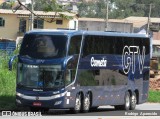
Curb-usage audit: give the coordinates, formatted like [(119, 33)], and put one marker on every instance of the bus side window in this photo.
[(75, 43), (67, 77)]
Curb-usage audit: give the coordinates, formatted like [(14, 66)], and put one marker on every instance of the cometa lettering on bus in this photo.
[(98, 63)]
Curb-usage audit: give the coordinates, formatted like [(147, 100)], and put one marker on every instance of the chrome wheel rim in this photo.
[(86, 103), (127, 101), (133, 100), (78, 103)]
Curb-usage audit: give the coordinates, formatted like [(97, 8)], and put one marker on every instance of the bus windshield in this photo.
[(40, 46), (40, 76)]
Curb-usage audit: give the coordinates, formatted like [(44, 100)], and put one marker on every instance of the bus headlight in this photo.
[(18, 94)]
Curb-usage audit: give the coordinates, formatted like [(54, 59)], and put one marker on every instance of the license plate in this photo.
[(37, 103)]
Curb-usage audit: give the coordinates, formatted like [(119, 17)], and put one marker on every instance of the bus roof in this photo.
[(76, 32)]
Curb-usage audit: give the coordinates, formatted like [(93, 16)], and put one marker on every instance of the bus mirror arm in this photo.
[(11, 61)]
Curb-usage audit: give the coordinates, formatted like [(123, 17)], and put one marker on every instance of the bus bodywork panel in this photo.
[(107, 75)]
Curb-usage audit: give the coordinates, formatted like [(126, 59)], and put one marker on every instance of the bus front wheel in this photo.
[(78, 104), (127, 101)]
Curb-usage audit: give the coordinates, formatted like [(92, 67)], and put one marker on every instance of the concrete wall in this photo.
[(100, 26), (91, 25), (120, 27), (9, 31), (156, 36)]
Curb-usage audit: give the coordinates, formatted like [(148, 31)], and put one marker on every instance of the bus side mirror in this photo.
[(11, 61)]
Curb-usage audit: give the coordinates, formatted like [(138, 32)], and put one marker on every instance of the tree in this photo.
[(119, 8), (95, 9), (46, 6), (7, 5)]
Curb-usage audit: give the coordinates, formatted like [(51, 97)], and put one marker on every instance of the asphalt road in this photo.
[(152, 109), (146, 109)]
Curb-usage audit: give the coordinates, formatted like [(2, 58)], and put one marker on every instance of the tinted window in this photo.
[(87, 78), (98, 45), (75, 44), (143, 42), (146, 43), (119, 45), (44, 46), (103, 77)]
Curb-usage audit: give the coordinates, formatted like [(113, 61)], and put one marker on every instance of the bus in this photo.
[(82, 70)]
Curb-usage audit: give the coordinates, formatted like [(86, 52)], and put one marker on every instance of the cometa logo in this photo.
[(98, 63)]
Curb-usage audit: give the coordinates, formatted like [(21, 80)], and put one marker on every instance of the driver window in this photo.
[(68, 78)]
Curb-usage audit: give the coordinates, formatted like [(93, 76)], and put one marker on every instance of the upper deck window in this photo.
[(44, 46)]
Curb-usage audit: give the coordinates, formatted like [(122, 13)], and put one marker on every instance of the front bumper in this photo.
[(54, 102)]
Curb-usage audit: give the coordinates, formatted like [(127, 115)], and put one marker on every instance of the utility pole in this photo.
[(32, 15), (149, 17), (106, 19)]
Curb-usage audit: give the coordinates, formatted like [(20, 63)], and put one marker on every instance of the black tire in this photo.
[(78, 104), (127, 101), (133, 101), (86, 103)]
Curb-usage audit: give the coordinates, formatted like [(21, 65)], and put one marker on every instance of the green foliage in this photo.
[(7, 83), (47, 5), (154, 96), (50, 5), (119, 8), (5, 5), (92, 9)]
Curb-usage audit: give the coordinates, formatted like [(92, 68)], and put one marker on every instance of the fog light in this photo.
[(58, 102)]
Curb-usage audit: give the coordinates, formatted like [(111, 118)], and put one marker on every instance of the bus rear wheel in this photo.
[(86, 103), (133, 101), (127, 103)]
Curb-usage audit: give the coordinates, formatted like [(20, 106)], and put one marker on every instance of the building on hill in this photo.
[(96, 24), (131, 24), (13, 25)]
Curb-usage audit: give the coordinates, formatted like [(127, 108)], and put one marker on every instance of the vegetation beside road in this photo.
[(154, 96), (7, 83)]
